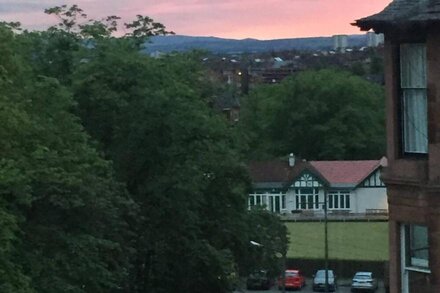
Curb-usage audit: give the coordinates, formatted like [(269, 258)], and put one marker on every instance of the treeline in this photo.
[(326, 114), (115, 174)]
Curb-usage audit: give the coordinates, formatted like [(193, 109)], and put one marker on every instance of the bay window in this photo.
[(413, 86), (415, 258)]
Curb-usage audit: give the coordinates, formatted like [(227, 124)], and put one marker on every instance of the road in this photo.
[(344, 287)]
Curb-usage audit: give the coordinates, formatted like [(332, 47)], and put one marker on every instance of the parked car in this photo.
[(259, 280), (363, 281), (294, 279), (319, 281)]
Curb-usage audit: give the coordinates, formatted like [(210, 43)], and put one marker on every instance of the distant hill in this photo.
[(231, 46)]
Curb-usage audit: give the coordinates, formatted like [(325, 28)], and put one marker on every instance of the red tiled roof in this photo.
[(346, 172), (274, 171), (269, 171), (334, 172)]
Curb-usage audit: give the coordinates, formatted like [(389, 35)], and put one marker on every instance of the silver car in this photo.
[(363, 282), (319, 281)]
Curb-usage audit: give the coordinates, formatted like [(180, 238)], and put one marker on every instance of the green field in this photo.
[(347, 240)]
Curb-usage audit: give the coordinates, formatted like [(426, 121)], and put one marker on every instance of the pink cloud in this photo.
[(264, 19)]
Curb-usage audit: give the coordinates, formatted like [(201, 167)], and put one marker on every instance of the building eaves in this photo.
[(342, 186), (402, 12), (268, 185)]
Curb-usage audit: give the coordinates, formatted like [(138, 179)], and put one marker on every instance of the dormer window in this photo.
[(414, 98)]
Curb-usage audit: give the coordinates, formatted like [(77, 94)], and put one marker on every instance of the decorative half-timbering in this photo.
[(373, 180), (307, 180)]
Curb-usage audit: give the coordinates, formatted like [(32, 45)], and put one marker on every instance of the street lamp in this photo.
[(326, 239), (324, 204)]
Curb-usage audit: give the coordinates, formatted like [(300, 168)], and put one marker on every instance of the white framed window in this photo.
[(307, 198), (274, 202), (414, 107), (339, 200), (415, 258)]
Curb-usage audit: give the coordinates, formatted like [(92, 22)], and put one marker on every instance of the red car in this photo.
[(294, 280)]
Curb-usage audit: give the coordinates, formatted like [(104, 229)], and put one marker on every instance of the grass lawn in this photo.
[(346, 240)]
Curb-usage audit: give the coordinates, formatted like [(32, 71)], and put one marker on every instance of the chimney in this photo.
[(291, 160)]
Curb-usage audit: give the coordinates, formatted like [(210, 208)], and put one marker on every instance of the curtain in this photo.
[(413, 84)]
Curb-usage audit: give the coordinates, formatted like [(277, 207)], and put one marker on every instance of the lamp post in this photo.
[(283, 279), (324, 204), (326, 240)]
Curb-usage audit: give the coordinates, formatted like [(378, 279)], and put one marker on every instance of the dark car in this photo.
[(259, 280), (363, 282), (294, 279), (319, 283)]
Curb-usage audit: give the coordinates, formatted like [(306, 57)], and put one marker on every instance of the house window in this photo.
[(274, 202), (338, 200), (417, 247), (307, 198), (414, 99), (415, 258)]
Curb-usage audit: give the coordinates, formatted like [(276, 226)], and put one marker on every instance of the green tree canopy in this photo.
[(321, 115), (116, 175)]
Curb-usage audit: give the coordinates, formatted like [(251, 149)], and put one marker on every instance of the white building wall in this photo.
[(369, 198), (361, 199)]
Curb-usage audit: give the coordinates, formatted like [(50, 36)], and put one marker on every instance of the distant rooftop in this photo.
[(334, 173)]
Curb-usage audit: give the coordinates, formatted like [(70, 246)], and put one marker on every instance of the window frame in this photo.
[(302, 200), (336, 197), (401, 104), (405, 259)]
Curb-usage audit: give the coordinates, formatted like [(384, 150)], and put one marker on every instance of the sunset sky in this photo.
[(261, 19)]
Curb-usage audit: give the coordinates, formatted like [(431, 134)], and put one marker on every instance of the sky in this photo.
[(237, 19)]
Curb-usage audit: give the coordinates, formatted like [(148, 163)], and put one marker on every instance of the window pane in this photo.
[(310, 202), (413, 65), (415, 121), (303, 202), (252, 200), (277, 203), (283, 201), (258, 199), (418, 282), (419, 245), (330, 201), (316, 201), (347, 201), (306, 190), (342, 201), (336, 201)]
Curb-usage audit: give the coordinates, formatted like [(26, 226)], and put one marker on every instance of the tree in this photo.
[(63, 214), (179, 162), (325, 114), (115, 169)]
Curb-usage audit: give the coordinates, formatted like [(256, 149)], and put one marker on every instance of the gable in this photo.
[(307, 179), (373, 180), (345, 173)]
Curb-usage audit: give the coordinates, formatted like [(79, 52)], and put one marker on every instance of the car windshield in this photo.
[(291, 274), (362, 276), (321, 274)]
